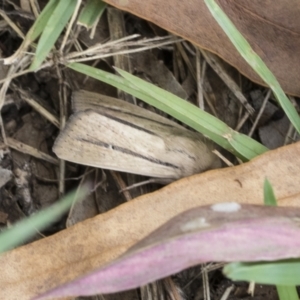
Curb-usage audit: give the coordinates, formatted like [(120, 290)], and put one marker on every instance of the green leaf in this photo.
[(28, 227), (42, 20), (246, 146), (52, 30), (178, 108), (287, 292), (284, 272), (269, 196), (91, 13), (254, 61)]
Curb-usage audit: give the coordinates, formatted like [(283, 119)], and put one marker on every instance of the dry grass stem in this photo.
[(71, 23), (187, 61), (26, 149), (121, 184), (35, 7), (108, 50), (242, 121), (216, 65), (227, 293), (40, 109), (199, 80), (12, 24), (206, 289), (263, 106), (223, 158)]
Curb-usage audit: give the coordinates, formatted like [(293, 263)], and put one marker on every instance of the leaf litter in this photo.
[(219, 100)]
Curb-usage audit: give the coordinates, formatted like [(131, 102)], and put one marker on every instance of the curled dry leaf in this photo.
[(33, 269), (235, 233), (272, 31)]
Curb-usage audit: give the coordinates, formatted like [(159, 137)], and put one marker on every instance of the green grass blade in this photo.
[(91, 13), (180, 109), (269, 196), (284, 292), (287, 292), (196, 118), (246, 146), (28, 227), (40, 23), (254, 61), (54, 27), (284, 272)]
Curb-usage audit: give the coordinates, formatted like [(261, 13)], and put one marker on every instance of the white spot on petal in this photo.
[(194, 224), (226, 207)]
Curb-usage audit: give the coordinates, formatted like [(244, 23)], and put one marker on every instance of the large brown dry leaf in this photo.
[(272, 30), (37, 267)]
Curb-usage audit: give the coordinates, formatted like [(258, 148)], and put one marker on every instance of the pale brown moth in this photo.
[(108, 133)]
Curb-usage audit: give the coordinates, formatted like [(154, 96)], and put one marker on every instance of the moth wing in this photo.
[(97, 140), (83, 100)]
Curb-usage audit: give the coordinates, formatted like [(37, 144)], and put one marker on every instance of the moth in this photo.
[(108, 133)]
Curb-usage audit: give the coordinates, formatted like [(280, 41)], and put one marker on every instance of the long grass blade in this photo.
[(28, 227), (287, 292), (285, 272), (52, 30), (254, 61), (269, 196), (91, 13)]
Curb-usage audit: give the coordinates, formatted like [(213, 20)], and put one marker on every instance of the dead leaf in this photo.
[(235, 233), (272, 31), (37, 267)]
